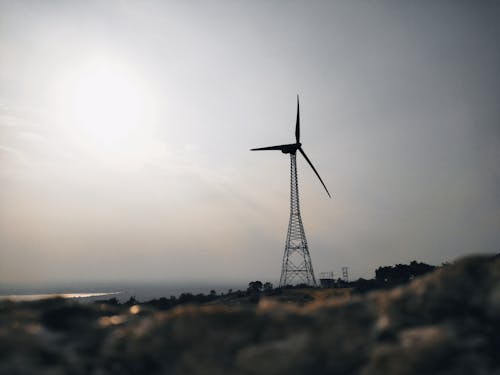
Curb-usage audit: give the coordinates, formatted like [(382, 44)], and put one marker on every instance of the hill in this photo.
[(446, 322)]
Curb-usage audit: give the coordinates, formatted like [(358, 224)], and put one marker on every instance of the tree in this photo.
[(363, 285), (131, 301), (268, 287), (401, 273), (254, 287)]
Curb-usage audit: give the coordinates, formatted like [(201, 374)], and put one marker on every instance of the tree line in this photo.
[(385, 277)]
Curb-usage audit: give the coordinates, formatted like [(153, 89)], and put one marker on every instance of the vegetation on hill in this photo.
[(445, 322), (385, 277)]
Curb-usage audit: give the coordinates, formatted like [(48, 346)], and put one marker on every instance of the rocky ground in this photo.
[(447, 322)]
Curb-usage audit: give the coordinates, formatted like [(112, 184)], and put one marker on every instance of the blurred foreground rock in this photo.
[(447, 322)]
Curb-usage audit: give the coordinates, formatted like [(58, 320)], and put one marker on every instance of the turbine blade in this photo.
[(314, 169), (279, 147), (297, 123)]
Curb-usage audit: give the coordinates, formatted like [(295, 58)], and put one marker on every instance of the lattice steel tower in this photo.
[(297, 266)]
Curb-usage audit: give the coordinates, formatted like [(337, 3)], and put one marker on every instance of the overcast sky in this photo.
[(125, 128)]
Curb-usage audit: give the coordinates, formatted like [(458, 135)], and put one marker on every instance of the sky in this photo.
[(125, 129)]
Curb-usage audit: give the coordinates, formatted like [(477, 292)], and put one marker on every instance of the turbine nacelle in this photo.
[(292, 148)]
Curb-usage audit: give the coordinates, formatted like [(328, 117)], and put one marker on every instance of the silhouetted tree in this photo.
[(254, 287), (161, 303), (186, 298), (340, 283), (363, 285), (401, 273), (268, 287), (131, 301)]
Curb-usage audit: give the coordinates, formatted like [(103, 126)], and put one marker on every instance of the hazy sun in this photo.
[(106, 102), (107, 107)]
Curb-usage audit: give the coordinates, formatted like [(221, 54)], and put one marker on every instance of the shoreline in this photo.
[(38, 297)]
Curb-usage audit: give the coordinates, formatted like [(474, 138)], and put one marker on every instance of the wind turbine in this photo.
[(297, 267)]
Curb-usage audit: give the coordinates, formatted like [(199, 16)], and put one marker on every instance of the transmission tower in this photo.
[(345, 274), (297, 267)]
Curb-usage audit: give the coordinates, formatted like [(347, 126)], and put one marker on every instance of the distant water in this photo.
[(121, 291), (36, 297)]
